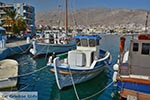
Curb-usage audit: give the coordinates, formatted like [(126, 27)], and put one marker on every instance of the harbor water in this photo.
[(44, 81)]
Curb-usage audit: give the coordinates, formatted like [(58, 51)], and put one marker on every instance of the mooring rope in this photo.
[(26, 49), (98, 91), (31, 82), (30, 72), (22, 51), (75, 90), (76, 93), (74, 87)]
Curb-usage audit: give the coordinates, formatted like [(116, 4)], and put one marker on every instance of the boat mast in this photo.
[(66, 16), (146, 23)]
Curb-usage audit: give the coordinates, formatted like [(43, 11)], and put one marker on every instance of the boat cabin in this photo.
[(87, 51), (52, 37), (139, 55)]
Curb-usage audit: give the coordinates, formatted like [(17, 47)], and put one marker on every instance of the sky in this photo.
[(44, 5)]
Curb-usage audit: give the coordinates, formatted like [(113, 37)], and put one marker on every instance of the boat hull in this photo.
[(143, 88), (67, 78), (46, 48)]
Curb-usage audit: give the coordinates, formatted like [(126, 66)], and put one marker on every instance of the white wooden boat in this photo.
[(8, 69), (79, 65)]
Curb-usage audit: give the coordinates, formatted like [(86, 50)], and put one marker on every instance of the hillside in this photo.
[(93, 16)]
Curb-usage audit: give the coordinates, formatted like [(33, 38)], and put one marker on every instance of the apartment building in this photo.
[(24, 10)]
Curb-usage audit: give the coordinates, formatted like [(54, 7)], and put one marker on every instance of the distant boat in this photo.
[(132, 72), (79, 65), (8, 69), (50, 42), (54, 41)]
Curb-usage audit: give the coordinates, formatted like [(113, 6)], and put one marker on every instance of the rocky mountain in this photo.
[(92, 16)]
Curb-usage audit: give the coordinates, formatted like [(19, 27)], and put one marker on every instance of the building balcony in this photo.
[(7, 6), (27, 11), (2, 12)]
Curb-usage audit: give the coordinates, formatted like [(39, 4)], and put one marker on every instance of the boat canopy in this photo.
[(95, 37)]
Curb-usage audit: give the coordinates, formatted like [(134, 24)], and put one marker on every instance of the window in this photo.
[(135, 46), (92, 42), (84, 42), (146, 48), (78, 42)]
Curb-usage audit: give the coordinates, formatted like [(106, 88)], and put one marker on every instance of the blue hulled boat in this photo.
[(81, 64)]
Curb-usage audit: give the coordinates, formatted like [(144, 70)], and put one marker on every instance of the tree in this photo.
[(17, 23)]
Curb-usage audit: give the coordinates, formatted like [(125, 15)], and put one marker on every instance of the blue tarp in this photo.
[(96, 37)]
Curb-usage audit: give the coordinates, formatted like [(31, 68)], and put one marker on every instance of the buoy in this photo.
[(115, 76), (50, 60), (116, 67), (32, 51), (28, 39)]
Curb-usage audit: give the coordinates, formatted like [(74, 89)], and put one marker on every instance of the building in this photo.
[(3, 14), (24, 10)]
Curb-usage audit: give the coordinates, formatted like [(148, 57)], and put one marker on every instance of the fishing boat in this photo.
[(8, 69), (132, 71), (54, 41), (81, 64)]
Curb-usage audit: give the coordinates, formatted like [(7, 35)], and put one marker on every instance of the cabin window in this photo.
[(135, 46), (84, 42), (78, 42), (97, 42), (92, 43), (146, 48)]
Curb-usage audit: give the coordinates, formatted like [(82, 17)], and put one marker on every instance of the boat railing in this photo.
[(62, 56), (107, 54)]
